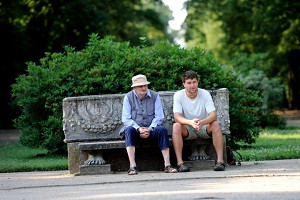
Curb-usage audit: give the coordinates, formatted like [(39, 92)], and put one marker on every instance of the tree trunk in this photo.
[(294, 79)]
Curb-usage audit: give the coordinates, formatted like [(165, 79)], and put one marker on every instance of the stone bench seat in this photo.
[(92, 124), (120, 144), (89, 146)]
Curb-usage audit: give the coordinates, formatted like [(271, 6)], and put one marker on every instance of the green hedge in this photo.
[(106, 67)]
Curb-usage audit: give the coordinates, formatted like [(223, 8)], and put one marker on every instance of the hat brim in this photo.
[(140, 84)]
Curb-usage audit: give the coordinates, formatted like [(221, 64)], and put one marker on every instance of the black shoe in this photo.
[(219, 166), (182, 168)]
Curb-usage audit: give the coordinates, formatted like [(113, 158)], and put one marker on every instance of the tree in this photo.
[(252, 27), (105, 67), (31, 28)]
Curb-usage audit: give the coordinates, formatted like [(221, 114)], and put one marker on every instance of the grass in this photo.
[(16, 158), (273, 144)]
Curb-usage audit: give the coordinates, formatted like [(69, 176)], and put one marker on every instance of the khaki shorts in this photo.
[(194, 134)]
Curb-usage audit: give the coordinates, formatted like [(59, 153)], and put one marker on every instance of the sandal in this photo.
[(170, 169), (220, 166), (182, 168), (132, 171)]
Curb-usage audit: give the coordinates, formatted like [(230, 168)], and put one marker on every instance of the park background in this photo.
[(258, 40)]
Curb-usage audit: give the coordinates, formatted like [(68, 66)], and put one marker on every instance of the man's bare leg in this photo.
[(131, 155), (218, 143), (177, 142), (179, 131), (166, 155), (168, 168), (217, 140)]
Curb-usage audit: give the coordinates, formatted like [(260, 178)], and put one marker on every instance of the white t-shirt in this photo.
[(193, 108)]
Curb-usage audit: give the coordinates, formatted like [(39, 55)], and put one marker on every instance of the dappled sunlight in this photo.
[(157, 190), (295, 135), (36, 175), (247, 184)]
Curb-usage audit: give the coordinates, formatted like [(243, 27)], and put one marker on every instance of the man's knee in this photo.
[(161, 130), (129, 130), (131, 135), (215, 127), (178, 130), (177, 127)]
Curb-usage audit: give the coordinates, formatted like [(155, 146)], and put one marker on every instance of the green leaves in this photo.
[(256, 27), (106, 67)]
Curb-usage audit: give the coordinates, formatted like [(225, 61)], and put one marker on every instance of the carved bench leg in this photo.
[(198, 152), (95, 164), (95, 158)]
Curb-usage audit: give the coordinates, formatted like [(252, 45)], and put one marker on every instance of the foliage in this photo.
[(106, 67), (245, 63), (272, 93), (49, 25), (30, 28), (256, 26), (251, 68)]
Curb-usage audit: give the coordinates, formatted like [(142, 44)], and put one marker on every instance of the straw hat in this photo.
[(139, 80)]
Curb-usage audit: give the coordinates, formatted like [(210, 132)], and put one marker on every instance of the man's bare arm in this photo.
[(180, 119), (212, 116), (196, 123)]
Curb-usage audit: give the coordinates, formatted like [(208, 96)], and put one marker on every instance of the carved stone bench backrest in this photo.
[(98, 117)]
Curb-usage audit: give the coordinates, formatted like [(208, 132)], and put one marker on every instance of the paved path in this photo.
[(253, 180), (9, 136), (292, 117)]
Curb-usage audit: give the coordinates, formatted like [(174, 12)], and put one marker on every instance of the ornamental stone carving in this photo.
[(92, 117), (98, 117)]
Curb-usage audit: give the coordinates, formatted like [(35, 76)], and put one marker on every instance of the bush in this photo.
[(272, 93), (253, 69), (106, 67)]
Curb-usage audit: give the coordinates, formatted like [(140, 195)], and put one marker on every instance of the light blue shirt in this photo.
[(126, 112)]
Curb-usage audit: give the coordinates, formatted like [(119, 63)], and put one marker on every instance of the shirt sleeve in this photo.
[(126, 114), (159, 113), (177, 107), (209, 104)]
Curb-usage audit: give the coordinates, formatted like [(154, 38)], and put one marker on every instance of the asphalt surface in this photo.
[(278, 179)]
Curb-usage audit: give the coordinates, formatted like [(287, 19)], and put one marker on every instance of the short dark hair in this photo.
[(189, 75)]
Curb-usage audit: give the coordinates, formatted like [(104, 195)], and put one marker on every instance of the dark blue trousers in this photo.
[(159, 133)]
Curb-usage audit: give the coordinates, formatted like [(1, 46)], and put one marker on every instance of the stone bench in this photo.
[(91, 125)]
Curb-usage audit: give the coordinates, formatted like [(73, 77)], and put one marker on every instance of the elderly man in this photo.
[(142, 116)]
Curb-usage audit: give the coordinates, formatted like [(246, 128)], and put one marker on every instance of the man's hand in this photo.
[(196, 124), (144, 132)]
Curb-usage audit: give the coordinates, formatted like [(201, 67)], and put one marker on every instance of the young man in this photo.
[(142, 116), (195, 116)]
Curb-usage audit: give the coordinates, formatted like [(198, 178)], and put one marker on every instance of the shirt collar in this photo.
[(148, 93)]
